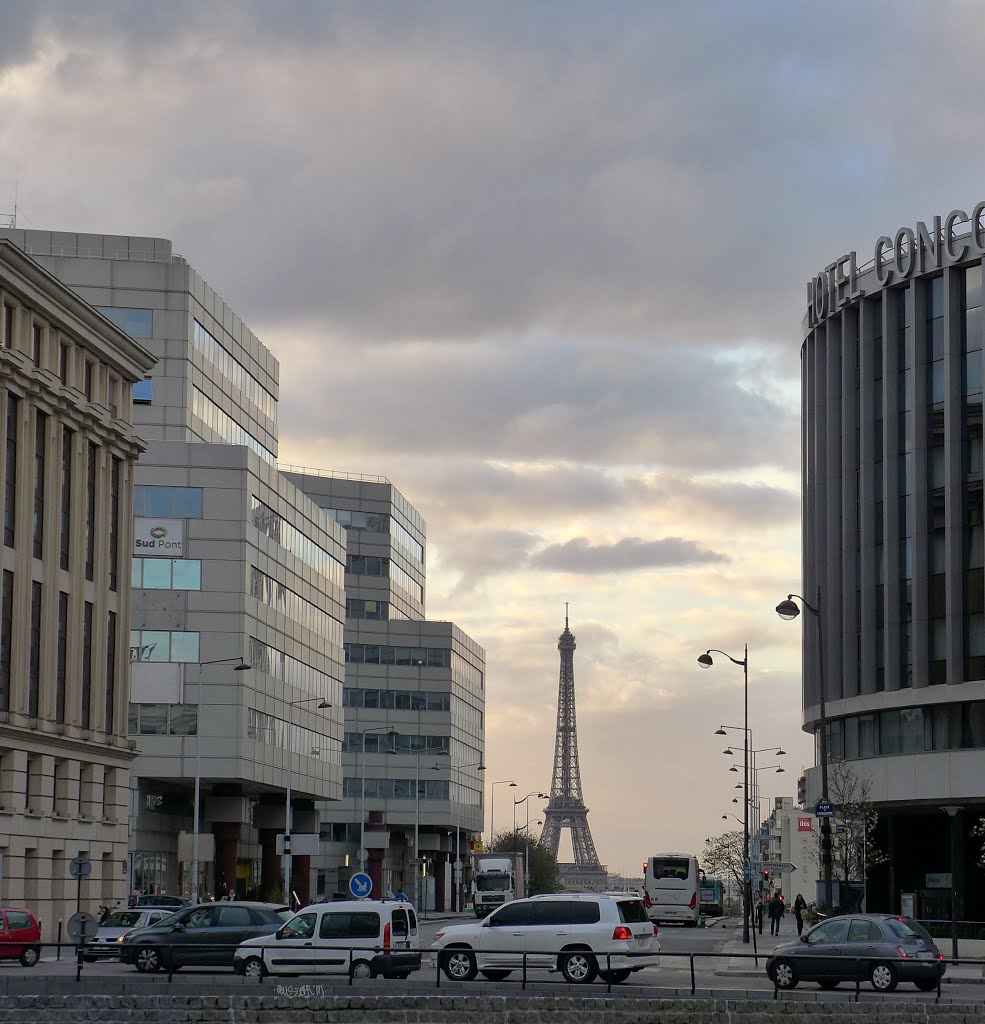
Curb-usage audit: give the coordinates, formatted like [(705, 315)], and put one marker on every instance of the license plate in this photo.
[(924, 955)]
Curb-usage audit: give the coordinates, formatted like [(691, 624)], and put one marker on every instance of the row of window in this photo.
[(404, 581), (383, 743), (167, 502), (226, 427), (164, 645), (398, 700), (358, 608), (276, 595), (162, 720), (915, 730), (138, 323), (373, 522), (406, 542), (273, 732), (92, 798), (166, 574), (234, 371), (12, 624), (383, 654), (273, 525), (272, 662), (395, 789)]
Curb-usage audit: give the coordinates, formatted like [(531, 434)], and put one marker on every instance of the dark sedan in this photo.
[(203, 935), (880, 948)]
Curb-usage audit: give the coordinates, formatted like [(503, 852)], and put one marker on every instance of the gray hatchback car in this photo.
[(881, 948)]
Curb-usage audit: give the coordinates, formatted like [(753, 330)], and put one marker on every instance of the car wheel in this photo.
[(253, 968), (927, 985), (828, 983), (362, 969), (883, 977), (495, 975), (615, 977), (459, 964), (30, 956), (147, 960), (578, 967), (785, 974)]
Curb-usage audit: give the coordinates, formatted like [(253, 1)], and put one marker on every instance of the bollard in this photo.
[(59, 942)]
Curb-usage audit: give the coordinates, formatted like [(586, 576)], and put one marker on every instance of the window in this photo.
[(670, 867), (61, 657), (357, 608), (93, 456), (40, 451), (37, 336), (277, 528), (829, 931), (350, 925), (513, 915), (300, 927), (65, 540), (229, 431), (114, 521), (18, 919), (168, 502), (110, 673), (63, 351), (143, 391), (162, 720), (10, 471), (166, 573), (6, 635), (164, 645), (138, 323), (632, 912), (34, 666), (88, 378), (234, 917), (861, 930), (86, 717), (555, 912), (276, 595), (233, 370), (8, 326)]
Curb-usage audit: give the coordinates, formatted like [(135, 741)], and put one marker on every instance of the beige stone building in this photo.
[(67, 450)]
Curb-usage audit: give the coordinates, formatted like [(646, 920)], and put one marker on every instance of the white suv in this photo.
[(579, 934)]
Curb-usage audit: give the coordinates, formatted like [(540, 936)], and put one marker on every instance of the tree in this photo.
[(979, 832), (542, 866), (853, 827), (722, 857)]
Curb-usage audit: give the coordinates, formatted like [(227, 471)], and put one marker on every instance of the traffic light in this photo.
[(766, 875)]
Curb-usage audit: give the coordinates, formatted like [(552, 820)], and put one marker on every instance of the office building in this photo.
[(894, 550), (69, 446)]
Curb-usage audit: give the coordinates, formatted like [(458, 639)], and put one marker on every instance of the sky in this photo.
[(543, 266)]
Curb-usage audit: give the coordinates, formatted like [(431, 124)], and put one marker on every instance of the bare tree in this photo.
[(854, 823), (722, 857), (979, 832)]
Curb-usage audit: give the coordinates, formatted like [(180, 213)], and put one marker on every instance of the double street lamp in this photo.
[(526, 858), (706, 661), (240, 667), (492, 806), (479, 767), (788, 610)]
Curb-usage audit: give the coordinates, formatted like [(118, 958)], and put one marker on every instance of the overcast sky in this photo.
[(543, 265)]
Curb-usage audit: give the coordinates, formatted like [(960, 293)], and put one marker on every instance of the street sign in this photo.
[(746, 871), (80, 867), (774, 865), (360, 885), (82, 926), (824, 809)]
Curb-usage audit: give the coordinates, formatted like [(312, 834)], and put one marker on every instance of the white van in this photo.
[(367, 938), (671, 887)]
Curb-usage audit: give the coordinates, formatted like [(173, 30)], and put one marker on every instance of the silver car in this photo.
[(106, 946)]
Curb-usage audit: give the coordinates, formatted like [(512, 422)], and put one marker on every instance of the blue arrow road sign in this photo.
[(360, 885), (746, 871)]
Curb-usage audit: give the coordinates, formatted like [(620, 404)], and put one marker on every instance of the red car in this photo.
[(21, 929)]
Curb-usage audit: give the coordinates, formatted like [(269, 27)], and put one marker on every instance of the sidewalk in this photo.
[(745, 967)]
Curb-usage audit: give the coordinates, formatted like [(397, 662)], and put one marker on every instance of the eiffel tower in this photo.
[(566, 808)]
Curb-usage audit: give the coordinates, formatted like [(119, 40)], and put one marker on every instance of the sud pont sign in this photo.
[(909, 252), (158, 537)]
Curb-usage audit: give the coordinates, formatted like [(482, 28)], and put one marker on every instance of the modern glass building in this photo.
[(893, 545)]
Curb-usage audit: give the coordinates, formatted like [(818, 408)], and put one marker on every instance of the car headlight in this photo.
[(125, 937)]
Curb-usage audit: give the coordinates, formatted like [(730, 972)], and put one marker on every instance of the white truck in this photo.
[(497, 878)]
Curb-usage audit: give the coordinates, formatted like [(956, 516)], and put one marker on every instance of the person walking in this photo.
[(776, 911), (799, 906), (757, 899)]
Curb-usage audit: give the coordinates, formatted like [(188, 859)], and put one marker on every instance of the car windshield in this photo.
[(123, 919), (492, 883), (632, 911), (904, 928), (670, 867)]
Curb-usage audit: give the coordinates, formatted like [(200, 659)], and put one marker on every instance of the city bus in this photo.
[(671, 885), (711, 897)]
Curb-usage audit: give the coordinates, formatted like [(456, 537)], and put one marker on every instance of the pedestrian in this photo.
[(757, 898), (799, 906), (776, 912)]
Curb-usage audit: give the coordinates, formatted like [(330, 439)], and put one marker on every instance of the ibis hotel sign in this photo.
[(909, 252), (158, 537)]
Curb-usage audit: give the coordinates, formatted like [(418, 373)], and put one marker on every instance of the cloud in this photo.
[(631, 554)]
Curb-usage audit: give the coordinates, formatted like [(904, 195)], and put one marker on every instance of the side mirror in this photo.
[(803, 938), (279, 934), (177, 927)]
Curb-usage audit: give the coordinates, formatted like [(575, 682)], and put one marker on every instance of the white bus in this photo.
[(671, 888)]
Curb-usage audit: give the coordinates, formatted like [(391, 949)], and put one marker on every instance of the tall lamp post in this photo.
[(492, 805), (479, 767), (706, 661), (788, 611), (241, 667), (526, 854), (417, 819), (288, 810)]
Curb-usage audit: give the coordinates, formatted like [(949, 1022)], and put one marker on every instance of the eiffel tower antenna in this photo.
[(566, 808)]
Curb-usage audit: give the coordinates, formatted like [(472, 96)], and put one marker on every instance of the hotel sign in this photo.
[(158, 537), (896, 259)]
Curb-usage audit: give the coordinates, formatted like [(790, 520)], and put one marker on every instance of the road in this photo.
[(673, 977)]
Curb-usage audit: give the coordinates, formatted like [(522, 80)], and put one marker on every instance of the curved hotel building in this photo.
[(894, 544)]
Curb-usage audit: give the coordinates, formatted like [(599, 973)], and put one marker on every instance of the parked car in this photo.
[(105, 944), (203, 935), (582, 935), (21, 929), (359, 937), (882, 948), (150, 900)]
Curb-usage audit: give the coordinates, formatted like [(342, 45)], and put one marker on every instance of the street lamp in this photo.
[(241, 667), (427, 752), (788, 611), (706, 661), (288, 810), (526, 853), (479, 767), (492, 806)]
